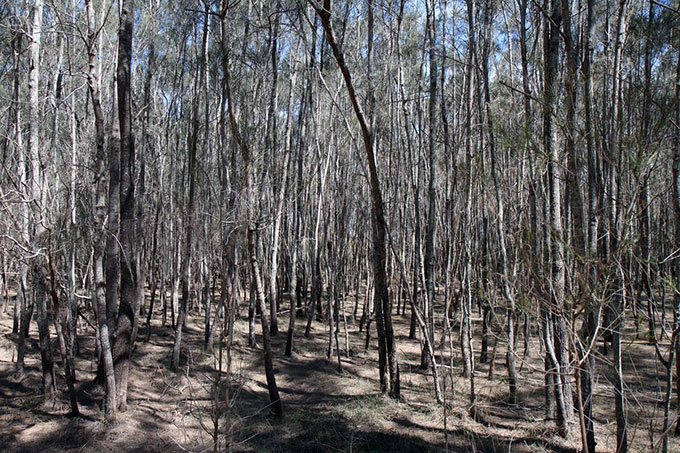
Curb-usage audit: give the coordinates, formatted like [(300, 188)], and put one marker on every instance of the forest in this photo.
[(360, 225)]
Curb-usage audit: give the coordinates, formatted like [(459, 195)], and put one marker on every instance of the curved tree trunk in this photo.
[(382, 302), (252, 228)]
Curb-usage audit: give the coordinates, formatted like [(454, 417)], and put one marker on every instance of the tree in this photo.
[(99, 246), (37, 184), (252, 228), (128, 309), (388, 352), (187, 245)]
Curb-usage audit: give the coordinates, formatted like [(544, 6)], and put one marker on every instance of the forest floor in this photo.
[(324, 410)]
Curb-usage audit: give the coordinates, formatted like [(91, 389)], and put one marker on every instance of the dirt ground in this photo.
[(324, 410)]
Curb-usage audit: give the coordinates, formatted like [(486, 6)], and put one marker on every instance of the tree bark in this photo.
[(129, 295), (615, 233), (588, 330), (430, 228), (99, 246), (38, 189), (676, 208), (561, 341)]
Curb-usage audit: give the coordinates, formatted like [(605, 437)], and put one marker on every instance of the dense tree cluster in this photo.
[(498, 171)]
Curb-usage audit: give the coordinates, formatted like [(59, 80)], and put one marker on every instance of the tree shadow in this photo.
[(323, 430)]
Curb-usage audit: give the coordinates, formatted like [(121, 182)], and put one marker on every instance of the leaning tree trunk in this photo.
[(382, 302), (252, 227)]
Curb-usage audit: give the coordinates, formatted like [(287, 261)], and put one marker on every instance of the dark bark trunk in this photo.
[(252, 228), (99, 246), (129, 295), (560, 332), (388, 359), (45, 343), (274, 398), (589, 327), (676, 208), (426, 358)]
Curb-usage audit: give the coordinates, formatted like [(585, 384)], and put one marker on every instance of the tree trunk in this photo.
[(588, 331), (187, 247), (431, 193), (382, 302), (24, 309), (505, 277), (129, 295), (676, 208), (99, 246), (561, 341), (614, 233), (37, 184), (274, 398), (252, 228)]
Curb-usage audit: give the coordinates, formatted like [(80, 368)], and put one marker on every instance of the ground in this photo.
[(324, 410)]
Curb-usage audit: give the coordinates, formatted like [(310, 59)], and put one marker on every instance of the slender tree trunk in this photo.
[(551, 48), (24, 307), (37, 184), (129, 295), (296, 214), (274, 398), (465, 329), (676, 208), (614, 234), (154, 272), (572, 199), (48, 275), (112, 260), (272, 142), (505, 278), (187, 247), (252, 228), (431, 192), (588, 331), (382, 302), (99, 293)]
